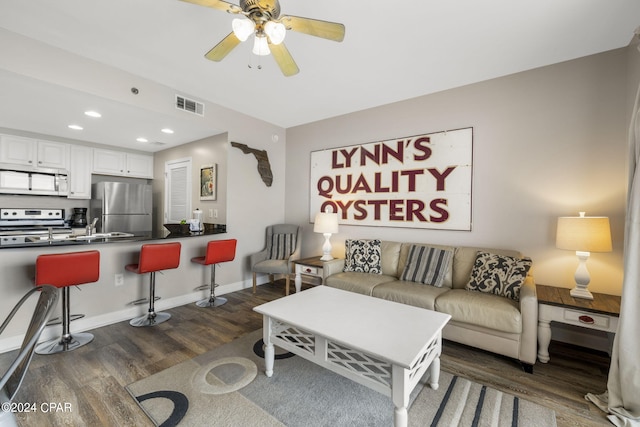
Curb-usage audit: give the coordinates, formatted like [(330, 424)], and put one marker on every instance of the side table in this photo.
[(557, 305), (308, 266)]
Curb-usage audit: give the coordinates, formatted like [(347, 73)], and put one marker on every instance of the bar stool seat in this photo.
[(62, 271), (217, 251), (154, 257)]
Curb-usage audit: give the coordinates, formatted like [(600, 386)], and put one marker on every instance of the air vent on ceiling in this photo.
[(157, 143), (189, 105)]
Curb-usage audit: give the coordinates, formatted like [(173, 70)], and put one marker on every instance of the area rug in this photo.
[(227, 387)]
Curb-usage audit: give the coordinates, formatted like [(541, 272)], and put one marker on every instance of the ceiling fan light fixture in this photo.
[(260, 45), (276, 32), (242, 28)]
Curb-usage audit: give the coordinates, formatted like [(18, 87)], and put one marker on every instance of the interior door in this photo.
[(177, 201)]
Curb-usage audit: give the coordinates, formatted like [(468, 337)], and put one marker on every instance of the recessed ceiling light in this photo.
[(75, 127), (167, 130), (141, 139), (91, 113)]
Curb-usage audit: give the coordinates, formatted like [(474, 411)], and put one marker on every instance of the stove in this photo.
[(17, 225)]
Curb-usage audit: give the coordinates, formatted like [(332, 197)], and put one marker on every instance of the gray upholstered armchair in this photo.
[(282, 248)]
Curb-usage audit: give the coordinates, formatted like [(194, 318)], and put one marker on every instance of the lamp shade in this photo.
[(326, 222), (585, 234)]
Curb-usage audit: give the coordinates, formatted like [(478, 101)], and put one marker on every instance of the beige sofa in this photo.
[(483, 320)]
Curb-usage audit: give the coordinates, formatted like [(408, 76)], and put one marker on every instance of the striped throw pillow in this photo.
[(282, 245), (427, 265)]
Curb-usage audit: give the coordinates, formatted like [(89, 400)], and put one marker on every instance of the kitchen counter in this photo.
[(6, 243)]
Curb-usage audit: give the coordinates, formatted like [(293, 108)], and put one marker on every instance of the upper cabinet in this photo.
[(81, 161), (110, 162), (32, 152)]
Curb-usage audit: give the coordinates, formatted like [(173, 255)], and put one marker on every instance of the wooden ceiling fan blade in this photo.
[(315, 27), (217, 4), (223, 48), (284, 59)]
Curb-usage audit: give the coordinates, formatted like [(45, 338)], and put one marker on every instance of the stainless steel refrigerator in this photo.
[(121, 206)]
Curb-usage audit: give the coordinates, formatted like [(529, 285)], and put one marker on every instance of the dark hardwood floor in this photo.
[(91, 380)]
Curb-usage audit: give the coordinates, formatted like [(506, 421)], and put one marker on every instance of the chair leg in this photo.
[(66, 342), (286, 287), (151, 318), (254, 283), (212, 301)]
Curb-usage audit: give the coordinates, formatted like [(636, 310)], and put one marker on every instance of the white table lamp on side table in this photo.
[(326, 223), (583, 234)]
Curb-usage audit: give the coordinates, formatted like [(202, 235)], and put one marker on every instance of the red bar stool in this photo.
[(154, 257), (62, 271), (217, 251)]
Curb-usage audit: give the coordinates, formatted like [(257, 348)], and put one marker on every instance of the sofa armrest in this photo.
[(529, 312), (334, 266)]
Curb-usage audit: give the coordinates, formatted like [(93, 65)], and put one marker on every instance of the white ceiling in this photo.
[(392, 51)]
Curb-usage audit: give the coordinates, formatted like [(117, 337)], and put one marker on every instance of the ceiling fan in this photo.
[(262, 18)]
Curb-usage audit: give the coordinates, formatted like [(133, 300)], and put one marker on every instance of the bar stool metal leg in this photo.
[(66, 342), (212, 301), (151, 318)]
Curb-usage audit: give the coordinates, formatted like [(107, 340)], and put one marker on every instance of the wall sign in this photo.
[(419, 181)]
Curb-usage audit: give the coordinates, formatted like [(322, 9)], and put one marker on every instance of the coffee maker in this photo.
[(79, 217)]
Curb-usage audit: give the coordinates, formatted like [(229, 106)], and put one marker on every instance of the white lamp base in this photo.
[(326, 248), (582, 277)]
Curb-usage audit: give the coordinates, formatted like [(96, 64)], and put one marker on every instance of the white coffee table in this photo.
[(380, 344)]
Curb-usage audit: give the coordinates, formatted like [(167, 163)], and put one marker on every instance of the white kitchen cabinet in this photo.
[(108, 162), (53, 154), (80, 168), (32, 152), (139, 165), (111, 162), (19, 150)]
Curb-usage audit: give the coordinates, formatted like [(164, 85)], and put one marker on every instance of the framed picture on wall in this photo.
[(208, 182)]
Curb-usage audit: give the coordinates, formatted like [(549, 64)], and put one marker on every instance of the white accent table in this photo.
[(557, 305), (380, 344), (307, 266)]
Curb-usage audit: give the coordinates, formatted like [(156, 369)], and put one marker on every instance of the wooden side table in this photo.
[(557, 305), (308, 266)]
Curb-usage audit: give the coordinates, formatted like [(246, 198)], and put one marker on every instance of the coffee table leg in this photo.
[(434, 373), (269, 352), (400, 396)]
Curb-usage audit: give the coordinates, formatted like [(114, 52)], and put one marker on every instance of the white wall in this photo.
[(548, 142)]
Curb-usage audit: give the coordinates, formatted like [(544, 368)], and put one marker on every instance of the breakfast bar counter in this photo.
[(109, 300), (42, 240)]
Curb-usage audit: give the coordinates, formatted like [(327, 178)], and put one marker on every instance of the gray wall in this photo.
[(548, 142), (203, 152)]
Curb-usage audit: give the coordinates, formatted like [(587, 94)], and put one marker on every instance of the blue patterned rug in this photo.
[(227, 387)]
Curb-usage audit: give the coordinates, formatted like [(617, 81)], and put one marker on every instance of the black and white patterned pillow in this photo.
[(362, 256), (282, 245), (499, 274), (427, 265)]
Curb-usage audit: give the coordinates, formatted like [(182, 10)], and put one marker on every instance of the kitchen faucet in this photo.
[(90, 227)]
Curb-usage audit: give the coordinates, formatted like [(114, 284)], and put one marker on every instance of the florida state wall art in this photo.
[(421, 181)]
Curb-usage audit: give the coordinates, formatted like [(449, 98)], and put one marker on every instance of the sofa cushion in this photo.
[(501, 314), (410, 293), (464, 260), (498, 274), (389, 258), (427, 265), (282, 245), (404, 257), (362, 256), (362, 283)]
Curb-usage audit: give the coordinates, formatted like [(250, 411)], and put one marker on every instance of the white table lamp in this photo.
[(583, 234), (326, 223)]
